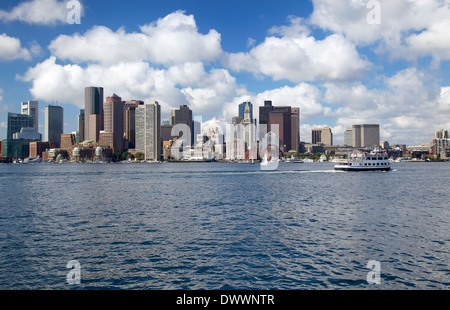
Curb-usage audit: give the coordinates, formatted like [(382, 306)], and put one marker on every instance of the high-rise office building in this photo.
[(264, 112), (148, 126), (54, 123), (95, 124), (16, 122), (93, 105), (288, 121), (348, 137), (81, 126), (366, 135), (31, 108), (129, 115), (322, 135), (183, 115), (113, 121), (295, 129), (281, 117)]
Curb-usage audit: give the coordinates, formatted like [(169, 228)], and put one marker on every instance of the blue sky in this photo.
[(342, 62)]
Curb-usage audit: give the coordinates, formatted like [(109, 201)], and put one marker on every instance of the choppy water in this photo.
[(223, 226)]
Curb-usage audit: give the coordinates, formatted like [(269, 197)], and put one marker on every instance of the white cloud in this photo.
[(11, 49), (408, 107), (297, 56), (173, 39), (408, 29), (45, 12), (206, 93)]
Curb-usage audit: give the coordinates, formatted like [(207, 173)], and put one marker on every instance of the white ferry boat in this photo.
[(360, 161)]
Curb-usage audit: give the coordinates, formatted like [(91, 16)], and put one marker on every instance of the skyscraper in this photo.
[(129, 118), (183, 115), (242, 140), (281, 116), (16, 122), (242, 107), (81, 125), (264, 113), (148, 126), (348, 137), (295, 129), (322, 135), (366, 135), (93, 105), (31, 108), (113, 121), (54, 123)]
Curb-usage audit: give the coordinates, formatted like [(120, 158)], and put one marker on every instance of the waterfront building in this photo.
[(16, 148), (31, 108), (366, 136), (54, 123), (113, 121), (93, 105), (322, 135), (440, 146), (37, 148), (148, 131), (16, 122), (183, 115)]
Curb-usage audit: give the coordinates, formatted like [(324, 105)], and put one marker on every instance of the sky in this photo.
[(341, 62)]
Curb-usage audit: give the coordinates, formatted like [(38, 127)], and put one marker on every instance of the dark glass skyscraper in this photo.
[(54, 123), (17, 122), (183, 115), (93, 105)]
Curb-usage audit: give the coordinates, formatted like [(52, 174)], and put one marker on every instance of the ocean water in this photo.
[(224, 226)]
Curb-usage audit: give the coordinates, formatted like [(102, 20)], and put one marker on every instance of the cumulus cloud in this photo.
[(291, 53), (408, 107), (171, 62), (11, 49), (173, 39), (206, 94), (45, 12), (407, 29)]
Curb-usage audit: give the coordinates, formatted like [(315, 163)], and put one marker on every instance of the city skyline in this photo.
[(392, 71)]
